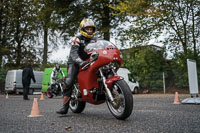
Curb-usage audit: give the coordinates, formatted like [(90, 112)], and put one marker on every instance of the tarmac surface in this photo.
[(152, 113)]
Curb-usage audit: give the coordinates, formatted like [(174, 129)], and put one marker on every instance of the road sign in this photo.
[(192, 76), (193, 83)]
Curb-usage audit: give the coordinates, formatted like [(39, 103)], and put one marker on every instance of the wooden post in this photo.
[(164, 82)]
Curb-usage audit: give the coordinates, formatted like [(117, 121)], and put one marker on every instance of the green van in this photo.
[(47, 76)]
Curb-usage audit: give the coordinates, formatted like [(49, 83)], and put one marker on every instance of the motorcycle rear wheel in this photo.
[(123, 100)]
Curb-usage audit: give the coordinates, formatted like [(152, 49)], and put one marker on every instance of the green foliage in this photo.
[(178, 24), (179, 20), (30, 28), (3, 73), (28, 25), (147, 64), (69, 15), (17, 31), (101, 12), (180, 70), (132, 7)]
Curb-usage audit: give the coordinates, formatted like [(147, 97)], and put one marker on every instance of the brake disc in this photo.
[(116, 99)]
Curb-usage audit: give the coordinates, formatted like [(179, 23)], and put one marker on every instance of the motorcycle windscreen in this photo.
[(100, 44)]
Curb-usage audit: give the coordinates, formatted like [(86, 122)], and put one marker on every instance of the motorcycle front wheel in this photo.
[(75, 105), (49, 94), (122, 106)]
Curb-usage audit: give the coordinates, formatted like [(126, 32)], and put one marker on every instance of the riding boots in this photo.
[(65, 107)]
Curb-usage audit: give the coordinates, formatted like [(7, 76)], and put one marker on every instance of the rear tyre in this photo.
[(122, 106)]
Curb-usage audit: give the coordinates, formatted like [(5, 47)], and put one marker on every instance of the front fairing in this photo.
[(107, 51)]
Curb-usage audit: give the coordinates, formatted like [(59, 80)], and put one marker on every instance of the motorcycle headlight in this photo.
[(114, 64)]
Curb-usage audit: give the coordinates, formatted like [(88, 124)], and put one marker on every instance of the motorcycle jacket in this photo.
[(77, 54), (55, 73)]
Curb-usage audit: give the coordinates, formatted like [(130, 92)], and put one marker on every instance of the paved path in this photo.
[(151, 114)]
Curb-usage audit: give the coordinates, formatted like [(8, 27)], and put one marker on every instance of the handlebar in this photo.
[(94, 56), (87, 65)]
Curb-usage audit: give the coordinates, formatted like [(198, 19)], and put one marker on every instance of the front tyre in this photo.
[(49, 93), (122, 106), (75, 105)]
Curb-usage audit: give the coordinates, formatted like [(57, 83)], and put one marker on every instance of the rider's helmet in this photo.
[(86, 23), (57, 67)]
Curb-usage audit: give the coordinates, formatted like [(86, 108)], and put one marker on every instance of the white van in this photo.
[(126, 74), (13, 82)]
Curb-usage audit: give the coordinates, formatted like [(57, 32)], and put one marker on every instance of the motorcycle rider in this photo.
[(77, 58), (55, 72)]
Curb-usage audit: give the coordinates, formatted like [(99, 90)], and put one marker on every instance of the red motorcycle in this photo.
[(98, 82)]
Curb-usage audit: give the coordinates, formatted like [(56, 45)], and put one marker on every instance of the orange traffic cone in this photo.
[(35, 112), (176, 98), (7, 96), (42, 96)]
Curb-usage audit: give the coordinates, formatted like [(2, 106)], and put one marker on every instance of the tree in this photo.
[(146, 63), (107, 23), (46, 23), (17, 22), (5, 29), (183, 20), (72, 12), (137, 28), (177, 21)]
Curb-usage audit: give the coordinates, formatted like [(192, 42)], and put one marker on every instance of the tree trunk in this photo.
[(17, 39), (1, 60), (18, 52), (193, 35), (1, 32), (106, 23), (45, 50)]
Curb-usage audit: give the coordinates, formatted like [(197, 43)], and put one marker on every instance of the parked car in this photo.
[(128, 77), (13, 82)]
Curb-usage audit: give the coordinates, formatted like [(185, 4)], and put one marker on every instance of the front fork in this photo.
[(106, 87), (76, 92), (61, 87)]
